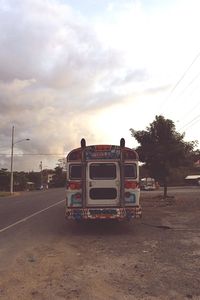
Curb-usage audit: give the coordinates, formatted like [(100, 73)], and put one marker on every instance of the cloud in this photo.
[(50, 61), (62, 74)]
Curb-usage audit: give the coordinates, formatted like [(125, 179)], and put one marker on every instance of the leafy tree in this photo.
[(4, 180), (35, 177), (62, 163), (59, 179), (196, 159), (20, 181), (163, 149)]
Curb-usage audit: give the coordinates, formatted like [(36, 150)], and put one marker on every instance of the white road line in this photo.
[(29, 217)]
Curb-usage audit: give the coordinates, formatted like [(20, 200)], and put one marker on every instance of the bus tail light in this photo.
[(130, 185), (73, 185)]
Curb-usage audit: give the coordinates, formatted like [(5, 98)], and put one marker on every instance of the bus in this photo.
[(102, 183)]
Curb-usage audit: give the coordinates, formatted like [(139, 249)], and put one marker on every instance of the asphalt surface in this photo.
[(19, 206)]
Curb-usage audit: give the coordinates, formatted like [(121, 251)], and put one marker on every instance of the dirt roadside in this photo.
[(157, 257)]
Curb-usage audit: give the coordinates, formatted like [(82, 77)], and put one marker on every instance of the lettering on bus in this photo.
[(112, 154)]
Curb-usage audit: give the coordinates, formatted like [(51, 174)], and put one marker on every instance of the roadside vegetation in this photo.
[(31, 180), (164, 153), (4, 194)]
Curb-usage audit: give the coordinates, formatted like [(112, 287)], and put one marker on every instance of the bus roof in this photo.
[(99, 152)]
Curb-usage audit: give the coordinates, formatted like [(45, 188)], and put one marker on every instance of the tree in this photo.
[(62, 163), (163, 149), (20, 181), (4, 179), (35, 177), (59, 179), (196, 159)]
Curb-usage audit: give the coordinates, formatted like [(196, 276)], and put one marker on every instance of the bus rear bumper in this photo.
[(126, 213)]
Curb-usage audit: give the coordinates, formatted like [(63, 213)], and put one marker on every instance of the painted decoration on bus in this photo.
[(93, 153)]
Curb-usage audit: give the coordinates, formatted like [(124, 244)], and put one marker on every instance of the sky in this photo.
[(94, 69)]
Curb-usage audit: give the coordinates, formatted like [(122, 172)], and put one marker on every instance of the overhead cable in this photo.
[(181, 78), (197, 119)]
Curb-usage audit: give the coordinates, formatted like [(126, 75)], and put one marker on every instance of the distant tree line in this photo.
[(32, 180)]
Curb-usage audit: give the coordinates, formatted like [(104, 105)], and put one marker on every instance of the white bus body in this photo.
[(102, 183)]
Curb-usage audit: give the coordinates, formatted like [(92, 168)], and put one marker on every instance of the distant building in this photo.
[(193, 179), (50, 177)]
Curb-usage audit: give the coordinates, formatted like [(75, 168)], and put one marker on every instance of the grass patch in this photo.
[(4, 194)]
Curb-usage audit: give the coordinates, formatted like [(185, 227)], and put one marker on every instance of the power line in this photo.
[(190, 83), (197, 119), (191, 110), (181, 78)]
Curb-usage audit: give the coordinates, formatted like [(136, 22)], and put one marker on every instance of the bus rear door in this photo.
[(102, 184)]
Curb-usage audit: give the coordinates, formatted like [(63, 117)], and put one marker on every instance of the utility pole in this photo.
[(41, 183), (11, 159), (11, 165)]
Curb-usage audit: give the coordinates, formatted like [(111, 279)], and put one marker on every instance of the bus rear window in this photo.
[(102, 171), (75, 171), (130, 171)]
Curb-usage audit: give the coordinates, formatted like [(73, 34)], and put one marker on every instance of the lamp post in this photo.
[(41, 177), (11, 164)]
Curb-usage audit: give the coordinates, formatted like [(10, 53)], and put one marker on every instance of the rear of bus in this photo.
[(102, 183)]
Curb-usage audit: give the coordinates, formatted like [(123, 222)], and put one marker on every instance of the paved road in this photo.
[(16, 208)]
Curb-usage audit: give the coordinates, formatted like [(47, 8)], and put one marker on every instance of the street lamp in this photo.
[(11, 165)]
